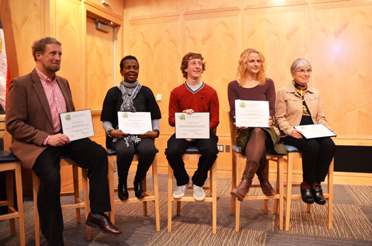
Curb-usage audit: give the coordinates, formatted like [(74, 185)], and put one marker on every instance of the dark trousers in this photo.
[(87, 154), (208, 150), (317, 155), (146, 153)]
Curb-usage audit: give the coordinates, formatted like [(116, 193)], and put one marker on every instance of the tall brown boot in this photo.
[(242, 189), (266, 187)]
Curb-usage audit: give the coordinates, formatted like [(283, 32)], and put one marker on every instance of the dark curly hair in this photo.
[(185, 62), (127, 58)]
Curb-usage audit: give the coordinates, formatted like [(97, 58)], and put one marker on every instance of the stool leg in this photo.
[(233, 183), (86, 199), (10, 199), (170, 188), (239, 162), (111, 163), (75, 174), (213, 186), (280, 183), (289, 191), (330, 192), (21, 218), (276, 202), (144, 185), (35, 185), (156, 192)]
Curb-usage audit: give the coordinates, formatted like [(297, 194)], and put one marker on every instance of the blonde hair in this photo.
[(241, 74)]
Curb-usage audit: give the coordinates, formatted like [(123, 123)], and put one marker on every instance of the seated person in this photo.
[(193, 96), (253, 85), (299, 104), (34, 103), (130, 96)]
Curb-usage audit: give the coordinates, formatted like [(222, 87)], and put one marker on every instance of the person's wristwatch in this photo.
[(109, 131), (156, 130)]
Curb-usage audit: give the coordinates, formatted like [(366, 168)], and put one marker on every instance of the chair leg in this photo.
[(239, 162), (86, 199), (213, 186), (289, 192), (35, 185), (330, 192), (75, 174), (156, 192), (170, 187), (10, 198), (21, 218), (144, 204), (233, 183), (266, 201), (110, 175), (280, 183), (276, 202)]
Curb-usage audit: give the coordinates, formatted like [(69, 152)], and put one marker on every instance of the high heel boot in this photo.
[(122, 190), (266, 187), (242, 189)]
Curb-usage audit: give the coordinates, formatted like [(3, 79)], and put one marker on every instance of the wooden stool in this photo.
[(111, 160), (279, 196), (189, 154), (292, 153), (78, 202)]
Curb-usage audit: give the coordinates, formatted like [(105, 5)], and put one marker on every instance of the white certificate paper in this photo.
[(250, 113), (134, 122), (193, 126), (77, 124), (315, 131)]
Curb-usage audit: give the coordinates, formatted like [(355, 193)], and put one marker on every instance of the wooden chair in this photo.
[(239, 160), (192, 153), (293, 153), (78, 202), (12, 167), (112, 157)]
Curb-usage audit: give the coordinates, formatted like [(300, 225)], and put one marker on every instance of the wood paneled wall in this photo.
[(334, 35)]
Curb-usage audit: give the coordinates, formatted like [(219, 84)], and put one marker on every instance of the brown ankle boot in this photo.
[(242, 189), (266, 187)]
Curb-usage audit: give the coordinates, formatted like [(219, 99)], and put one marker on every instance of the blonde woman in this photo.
[(252, 84)]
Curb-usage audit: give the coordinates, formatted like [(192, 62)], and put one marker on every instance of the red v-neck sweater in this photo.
[(203, 100)]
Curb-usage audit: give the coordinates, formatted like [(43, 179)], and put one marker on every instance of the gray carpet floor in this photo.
[(352, 223)]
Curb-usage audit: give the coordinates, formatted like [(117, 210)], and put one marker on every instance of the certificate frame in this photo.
[(252, 113), (77, 124), (192, 126), (134, 122), (315, 131)]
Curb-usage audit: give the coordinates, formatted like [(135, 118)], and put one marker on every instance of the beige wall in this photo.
[(334, 35)]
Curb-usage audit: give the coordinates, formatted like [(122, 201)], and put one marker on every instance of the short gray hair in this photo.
[(299, 63)]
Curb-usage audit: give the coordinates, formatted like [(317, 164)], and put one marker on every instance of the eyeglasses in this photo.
[(302, 71)]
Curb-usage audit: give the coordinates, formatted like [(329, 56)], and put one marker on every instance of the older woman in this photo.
[(253, 141), (299, 104), (130, 96)]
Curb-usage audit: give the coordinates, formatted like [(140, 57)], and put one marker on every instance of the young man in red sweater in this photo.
[(193, 96)]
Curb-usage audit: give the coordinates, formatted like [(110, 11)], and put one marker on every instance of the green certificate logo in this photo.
[(68, 117), (125, 115), (182, 117), (242, 104)]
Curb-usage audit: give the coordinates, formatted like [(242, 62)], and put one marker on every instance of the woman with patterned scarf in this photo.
[(299, 104), (254, 141), (130, 96)]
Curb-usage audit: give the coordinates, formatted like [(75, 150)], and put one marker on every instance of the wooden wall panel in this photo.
[(142, 9), (69, 31), (279, 38), (204, 5), (341, 62)]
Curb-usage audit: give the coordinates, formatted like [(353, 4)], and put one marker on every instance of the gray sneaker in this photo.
[(180, 191), (199, 193)]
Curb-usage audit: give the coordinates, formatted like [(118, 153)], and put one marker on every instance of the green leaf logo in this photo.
[(68, 117), (182, 117), (242, 104), (125, 115)]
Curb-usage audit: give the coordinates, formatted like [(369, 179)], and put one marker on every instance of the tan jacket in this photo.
[(28, 117), (288, 111)]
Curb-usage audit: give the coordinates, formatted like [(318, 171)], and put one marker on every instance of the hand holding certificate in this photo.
[(315, 131), (134, 122), (192, 126), (77, 125), (249, 113)]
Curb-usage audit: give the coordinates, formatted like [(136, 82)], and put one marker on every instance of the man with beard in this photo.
[(32, 118)]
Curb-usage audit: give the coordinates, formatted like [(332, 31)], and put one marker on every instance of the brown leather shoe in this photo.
[(266, 187), (242, 189), (104, 224)]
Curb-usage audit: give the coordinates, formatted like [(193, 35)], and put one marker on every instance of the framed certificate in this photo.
[(134, 122), (250, 113), (77, 124), (315, 131), (193, 126)]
